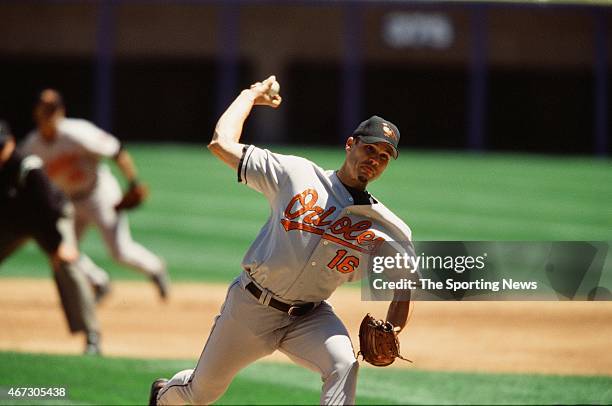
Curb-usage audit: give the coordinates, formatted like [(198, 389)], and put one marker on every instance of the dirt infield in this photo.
[(542, 337)]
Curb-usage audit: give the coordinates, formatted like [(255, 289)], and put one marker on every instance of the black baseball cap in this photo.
[(5, 132), (377, 129)]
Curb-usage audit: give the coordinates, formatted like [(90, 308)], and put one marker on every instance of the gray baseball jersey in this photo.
[(72, 160), (316, 238)]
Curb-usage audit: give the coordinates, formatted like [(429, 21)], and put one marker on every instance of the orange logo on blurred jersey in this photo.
[(388, 131), (67, 166)]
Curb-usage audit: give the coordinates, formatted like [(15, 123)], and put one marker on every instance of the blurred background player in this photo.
[(72, 150), (33, 208)]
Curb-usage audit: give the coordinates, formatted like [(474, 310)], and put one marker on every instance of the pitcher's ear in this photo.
[(350, 141)]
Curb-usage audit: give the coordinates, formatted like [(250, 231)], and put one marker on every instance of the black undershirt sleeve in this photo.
[(244, 150)]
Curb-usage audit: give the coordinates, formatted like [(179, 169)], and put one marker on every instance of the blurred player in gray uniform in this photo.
[(32, 208), (72, 150), (322, 229)]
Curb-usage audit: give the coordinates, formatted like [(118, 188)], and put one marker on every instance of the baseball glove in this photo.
[(133, 197), (378, 343)]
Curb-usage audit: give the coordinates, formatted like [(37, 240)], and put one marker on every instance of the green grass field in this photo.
[(202, 222), (126, 381)]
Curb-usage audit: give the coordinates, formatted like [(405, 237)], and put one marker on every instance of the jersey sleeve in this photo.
[(262, 170), (95, 140), (404, 270)]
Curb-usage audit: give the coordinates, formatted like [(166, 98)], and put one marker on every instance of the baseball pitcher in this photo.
[(323, 228)]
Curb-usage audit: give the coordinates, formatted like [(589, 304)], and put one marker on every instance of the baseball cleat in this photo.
[(163, 284), (92, 345), (101, 291), (92, 349), (156, 386)]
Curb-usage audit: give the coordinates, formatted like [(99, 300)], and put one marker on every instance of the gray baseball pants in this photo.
[(98, 208), (247, 330)]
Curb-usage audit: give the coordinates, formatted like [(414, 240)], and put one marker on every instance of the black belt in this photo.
[(296, 310)]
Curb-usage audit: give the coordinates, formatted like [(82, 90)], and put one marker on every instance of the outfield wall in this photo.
[(477, 76)]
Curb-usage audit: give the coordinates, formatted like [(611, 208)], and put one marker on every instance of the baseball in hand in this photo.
[(274, 89)]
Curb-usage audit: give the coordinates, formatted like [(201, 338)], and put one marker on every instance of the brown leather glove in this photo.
[(378, 343), (133, 197)]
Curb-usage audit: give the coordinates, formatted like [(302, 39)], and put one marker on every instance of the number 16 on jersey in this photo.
[(343, 263)]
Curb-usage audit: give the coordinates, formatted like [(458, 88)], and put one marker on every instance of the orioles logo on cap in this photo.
[(388, 131)]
